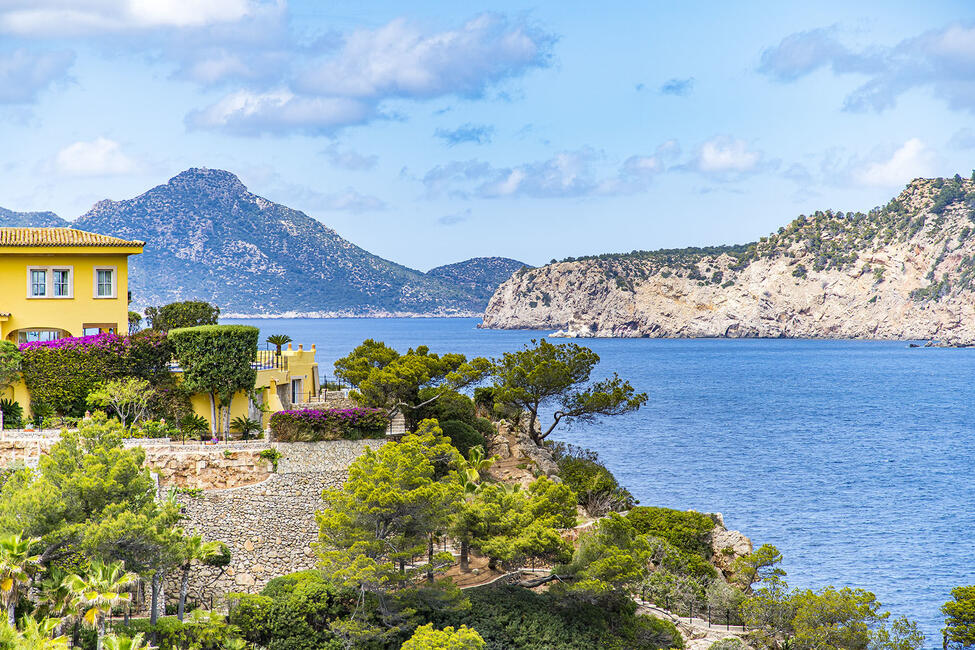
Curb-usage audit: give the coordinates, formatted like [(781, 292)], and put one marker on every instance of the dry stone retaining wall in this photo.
[(270, 526)]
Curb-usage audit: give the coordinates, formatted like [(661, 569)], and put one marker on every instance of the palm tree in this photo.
[(278, 341), (15, 564), (58, 599), (137, 642), (195, 550), (100, 589)]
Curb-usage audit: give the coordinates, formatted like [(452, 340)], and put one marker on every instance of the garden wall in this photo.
[(269, 526)]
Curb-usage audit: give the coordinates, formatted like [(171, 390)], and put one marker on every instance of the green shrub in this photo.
[(62, 373), (451, 405), (462, 436), (485, 428), (686, 530), (514, 617), (293, 612), (598, 490), (309, 425)]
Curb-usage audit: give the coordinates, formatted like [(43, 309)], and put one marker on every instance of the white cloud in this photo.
[(99, 157), (73, 17), (400, 60), (912, 160), (24, 74), (942, 60), (567, 174), (350, 159), (249, 113), (725, 155)]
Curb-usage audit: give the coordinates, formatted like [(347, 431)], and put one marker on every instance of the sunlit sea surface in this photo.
[(854, 458)]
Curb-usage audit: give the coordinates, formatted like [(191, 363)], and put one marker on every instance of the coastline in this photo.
[(351, 314)]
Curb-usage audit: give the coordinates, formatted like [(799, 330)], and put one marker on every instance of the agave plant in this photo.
[(15, 565), (99, 590)]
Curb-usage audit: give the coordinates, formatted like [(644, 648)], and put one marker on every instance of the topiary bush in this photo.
[(462, 436), (309, 425)]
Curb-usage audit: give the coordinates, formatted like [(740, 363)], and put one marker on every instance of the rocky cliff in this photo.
[(902, 271)]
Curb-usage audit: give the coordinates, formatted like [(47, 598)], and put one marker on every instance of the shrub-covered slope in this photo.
[(904, 271)]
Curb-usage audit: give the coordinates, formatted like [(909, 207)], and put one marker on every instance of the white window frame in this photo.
[(49, 282), (94, 282), (70, 271)]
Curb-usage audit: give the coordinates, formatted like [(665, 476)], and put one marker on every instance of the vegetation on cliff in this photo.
[(905, 269)]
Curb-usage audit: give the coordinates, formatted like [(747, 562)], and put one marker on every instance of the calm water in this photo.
[(852, 457)]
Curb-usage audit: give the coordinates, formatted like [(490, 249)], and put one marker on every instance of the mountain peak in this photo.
[(206, 178)]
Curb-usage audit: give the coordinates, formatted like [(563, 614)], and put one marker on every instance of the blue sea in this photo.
[(854, 458)]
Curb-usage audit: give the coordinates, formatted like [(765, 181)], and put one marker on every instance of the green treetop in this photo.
[(384, 378), (394, 500), (960, 617), (190, 313), (428, 638), (557, 376)]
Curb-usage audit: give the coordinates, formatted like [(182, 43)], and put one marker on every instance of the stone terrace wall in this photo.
[(269, 526)]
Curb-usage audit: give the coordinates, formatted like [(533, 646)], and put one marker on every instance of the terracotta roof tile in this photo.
[(59, 237)]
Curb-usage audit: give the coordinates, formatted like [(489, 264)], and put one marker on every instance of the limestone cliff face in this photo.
[(904, 271)]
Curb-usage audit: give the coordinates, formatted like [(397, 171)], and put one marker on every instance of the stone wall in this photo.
[(269, 526), (208, 468)]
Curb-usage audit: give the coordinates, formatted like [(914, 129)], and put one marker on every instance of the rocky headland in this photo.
[(902, 271)]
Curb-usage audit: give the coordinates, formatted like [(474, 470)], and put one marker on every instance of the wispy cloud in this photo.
[(567, 174), (466, 133), (941, 60), (349, 159), (678, 87), (349, 84), (454, 219), (911, 160), (58, 18), (24, 74), (98, 157)]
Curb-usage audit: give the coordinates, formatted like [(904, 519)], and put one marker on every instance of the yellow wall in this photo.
[(271, 382), (67, 314)]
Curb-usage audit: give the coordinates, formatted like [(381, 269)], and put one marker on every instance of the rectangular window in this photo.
[(62, 283), (38, 283), (33, 336), (105, 283)]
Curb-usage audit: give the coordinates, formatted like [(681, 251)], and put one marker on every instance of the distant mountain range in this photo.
[(209, 238)]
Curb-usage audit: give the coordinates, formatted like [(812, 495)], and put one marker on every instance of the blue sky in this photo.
[(429, 132)]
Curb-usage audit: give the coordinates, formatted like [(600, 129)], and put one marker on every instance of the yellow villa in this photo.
[(61, 282)]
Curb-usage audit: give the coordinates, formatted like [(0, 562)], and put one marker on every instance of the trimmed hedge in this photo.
[(310, 425), (61, 373), (216, 359)]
